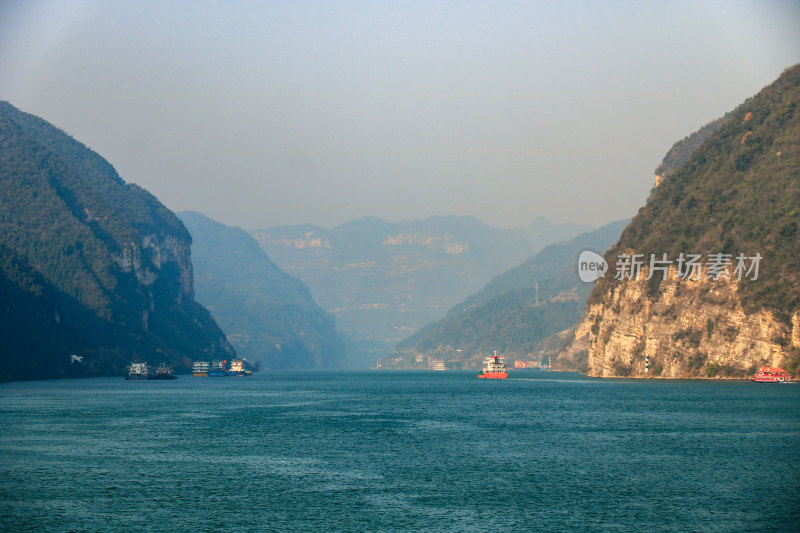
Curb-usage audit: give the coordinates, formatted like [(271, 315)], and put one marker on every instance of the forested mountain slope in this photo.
[(90, 265), (735, 204)]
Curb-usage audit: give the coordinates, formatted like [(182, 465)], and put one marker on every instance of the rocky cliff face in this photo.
[(692, 328), (737, 194), (146, 258)]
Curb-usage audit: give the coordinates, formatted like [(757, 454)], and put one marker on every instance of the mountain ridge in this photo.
[(520, 312), (737, 194), (92, 266), (383, 280)]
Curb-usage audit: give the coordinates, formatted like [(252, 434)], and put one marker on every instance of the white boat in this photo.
[(237, 368), (200, 368), (138, 370)]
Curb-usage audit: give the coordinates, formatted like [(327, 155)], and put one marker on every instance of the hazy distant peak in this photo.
[(299, 228), (543, 222), (363, 222), (542, 232), (219, 234), (540, 221)]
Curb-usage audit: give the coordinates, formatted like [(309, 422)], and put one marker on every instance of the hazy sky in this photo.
[(266, 113)]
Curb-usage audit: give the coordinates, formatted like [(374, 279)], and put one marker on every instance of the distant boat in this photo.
[(237, 368), (217, 369), (770, 374), (138, 371), (200, 369), (494, 367), (163, 372), (535, 365)]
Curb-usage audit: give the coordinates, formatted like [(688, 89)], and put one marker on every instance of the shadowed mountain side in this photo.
[(268, 315), (91, 266)]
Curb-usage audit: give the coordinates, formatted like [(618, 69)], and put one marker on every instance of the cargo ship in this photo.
[(217, 369), (237, 368), (200, 369), (494, 367), (163, 372), (138, 370), (771, 374)]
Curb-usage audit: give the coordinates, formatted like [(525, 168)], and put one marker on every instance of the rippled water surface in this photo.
[(397, 451)]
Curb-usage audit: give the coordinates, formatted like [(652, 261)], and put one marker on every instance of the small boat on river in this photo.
[(771, 374), (494, 367)]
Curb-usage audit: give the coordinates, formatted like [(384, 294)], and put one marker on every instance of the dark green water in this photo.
[(396, 451)]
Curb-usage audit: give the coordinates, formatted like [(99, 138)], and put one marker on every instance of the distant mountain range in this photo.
[(385, 280), (541, 232), (518, 313), (268, 315), (94, 271)]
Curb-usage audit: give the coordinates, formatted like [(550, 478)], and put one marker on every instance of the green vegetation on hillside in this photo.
[(383, 280), (91, 265), (520, 309), (682, 150), (738, 193)]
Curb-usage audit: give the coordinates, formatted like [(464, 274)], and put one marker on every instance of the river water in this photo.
[(399, 451)]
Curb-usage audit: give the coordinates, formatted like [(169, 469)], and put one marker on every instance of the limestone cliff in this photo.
[(690, 328), (737, 195)]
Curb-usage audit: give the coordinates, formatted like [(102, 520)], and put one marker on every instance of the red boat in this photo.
[(771, 374), (494, 367)]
